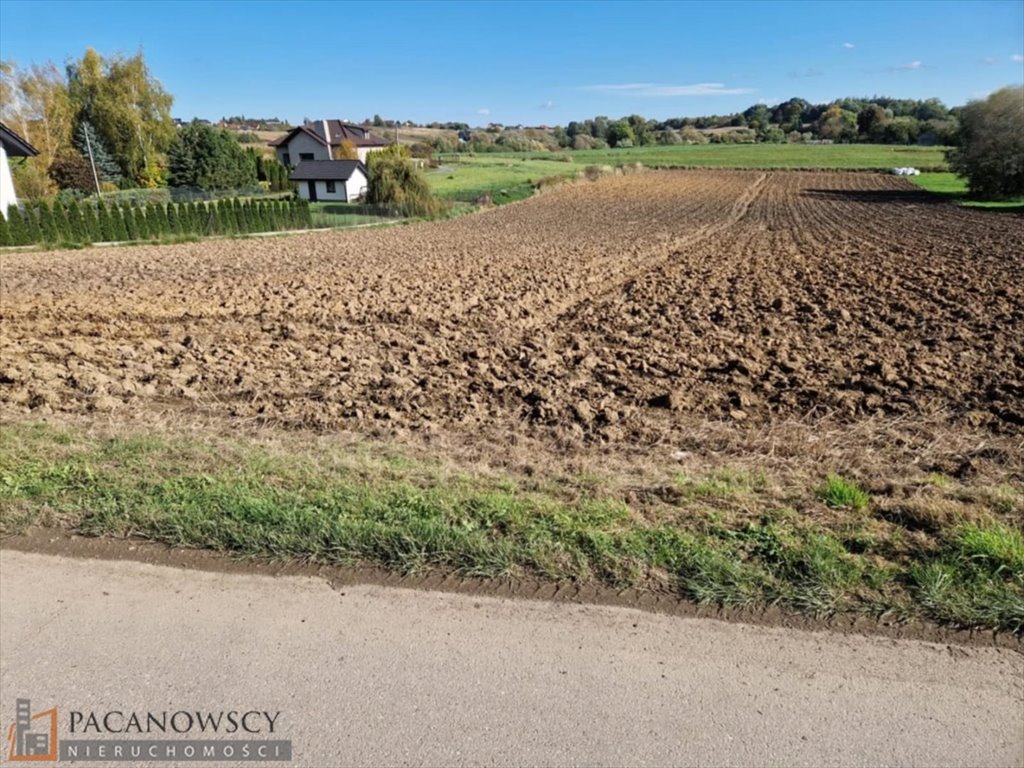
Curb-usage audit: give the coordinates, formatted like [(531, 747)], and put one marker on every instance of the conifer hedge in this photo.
[(90, 221)]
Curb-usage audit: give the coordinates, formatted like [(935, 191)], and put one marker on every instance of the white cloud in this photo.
[(989, 60), (660, 90), (547, 105), (911, 67), (849, 46), (483, 112), (1017, 57)]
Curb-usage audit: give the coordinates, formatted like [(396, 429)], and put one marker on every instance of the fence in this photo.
[(195, 194), (354, 214)]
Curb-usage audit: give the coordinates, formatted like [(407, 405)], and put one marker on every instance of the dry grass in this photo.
[(927, 545)]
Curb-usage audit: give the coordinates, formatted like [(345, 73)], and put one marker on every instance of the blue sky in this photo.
[(530, 62)]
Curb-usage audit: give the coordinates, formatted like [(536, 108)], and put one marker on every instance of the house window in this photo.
[(286, 159), (305, 156), (331, 186)]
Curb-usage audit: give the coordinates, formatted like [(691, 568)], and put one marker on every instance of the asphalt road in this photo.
[(383, 676)]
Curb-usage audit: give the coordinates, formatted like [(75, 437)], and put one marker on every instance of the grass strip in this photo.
[(953, 188), (249, 500)]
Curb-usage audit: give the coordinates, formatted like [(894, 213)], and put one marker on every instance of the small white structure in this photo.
[(905, 172), (340, 181), (320, 140), (11, 145)]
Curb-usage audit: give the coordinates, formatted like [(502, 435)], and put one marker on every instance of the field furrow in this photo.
[(615, 311)]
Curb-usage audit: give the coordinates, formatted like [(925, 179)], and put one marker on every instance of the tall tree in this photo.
[(208, 158), (991, 151), (87, 139), (35, 102), (128, 107), (620, 134)]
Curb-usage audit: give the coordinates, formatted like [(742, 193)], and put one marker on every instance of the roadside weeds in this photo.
[(729, 537)]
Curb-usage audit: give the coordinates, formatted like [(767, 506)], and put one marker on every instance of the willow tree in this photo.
[(396, 181)]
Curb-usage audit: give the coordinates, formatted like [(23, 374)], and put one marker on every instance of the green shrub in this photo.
[(247, 216), (141, 225), (189, 218), (173, 224), (152, 222), (120, 228), (47, 227), (75, 230), (76, 219), (91, 223), (61, 222), (107, 231), (131, 223), (162, 220), (239, 216), (16, 224), (204, 217), (226, 215), (5, 232), (32, 224)]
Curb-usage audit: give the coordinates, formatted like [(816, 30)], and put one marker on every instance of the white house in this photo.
[(330, 180), (320, 140), (11, 145)]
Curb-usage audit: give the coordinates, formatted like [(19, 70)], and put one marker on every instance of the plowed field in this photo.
[(606, 312)]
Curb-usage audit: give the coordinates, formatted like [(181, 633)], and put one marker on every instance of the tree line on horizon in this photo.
[(104, 123), (875, 120)]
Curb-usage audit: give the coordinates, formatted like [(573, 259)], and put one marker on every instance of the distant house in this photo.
[(11, 145), (330, 180), (319, 140)]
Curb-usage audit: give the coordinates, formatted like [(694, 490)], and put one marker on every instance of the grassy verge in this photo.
[(369, 505), (952, 187)]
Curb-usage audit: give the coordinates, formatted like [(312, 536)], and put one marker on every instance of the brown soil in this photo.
[(610, 313)]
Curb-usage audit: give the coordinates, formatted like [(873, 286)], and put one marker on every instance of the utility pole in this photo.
[(92, 162)]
